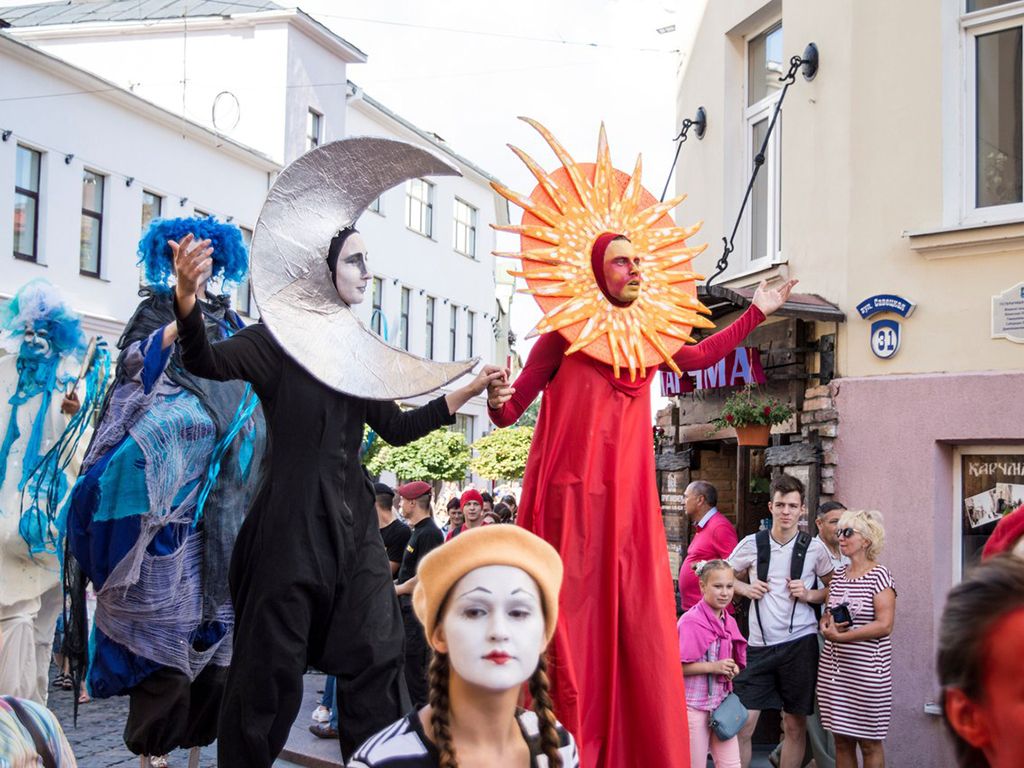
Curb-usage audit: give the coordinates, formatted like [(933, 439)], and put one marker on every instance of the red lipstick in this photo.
[(498, 657)]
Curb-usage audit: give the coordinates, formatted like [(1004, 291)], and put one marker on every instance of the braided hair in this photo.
[(440, 704), (540, 692)]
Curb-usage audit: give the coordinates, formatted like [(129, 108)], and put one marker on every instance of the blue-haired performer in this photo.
[(45, 344), (173, 465)]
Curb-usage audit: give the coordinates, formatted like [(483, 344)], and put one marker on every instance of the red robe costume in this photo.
[(589, 490)]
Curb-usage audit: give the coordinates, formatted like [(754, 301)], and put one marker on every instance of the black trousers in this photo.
[(417, 656), (313, 590), (167, 711)]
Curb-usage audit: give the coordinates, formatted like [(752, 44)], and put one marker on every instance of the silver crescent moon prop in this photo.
[(322, 192)]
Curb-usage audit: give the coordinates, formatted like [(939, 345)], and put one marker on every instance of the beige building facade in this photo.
[(895, 172)]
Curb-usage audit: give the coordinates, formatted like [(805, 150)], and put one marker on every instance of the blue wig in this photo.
[(40, 305), (230, 257)]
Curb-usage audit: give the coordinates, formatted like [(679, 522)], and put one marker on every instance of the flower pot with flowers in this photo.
[(752, 415)]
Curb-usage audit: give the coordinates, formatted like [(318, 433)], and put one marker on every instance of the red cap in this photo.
[(1008, 531), (414, 489), (471, 495)]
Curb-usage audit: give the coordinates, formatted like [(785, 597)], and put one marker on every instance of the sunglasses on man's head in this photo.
[(845, 533)]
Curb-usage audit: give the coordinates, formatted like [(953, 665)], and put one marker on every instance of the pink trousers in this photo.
[(726, 754)]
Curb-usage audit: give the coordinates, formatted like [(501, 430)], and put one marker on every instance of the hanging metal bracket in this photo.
[(808, 64), (699, 123)]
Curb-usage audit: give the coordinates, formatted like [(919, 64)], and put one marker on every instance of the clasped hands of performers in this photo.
[(193, 265)]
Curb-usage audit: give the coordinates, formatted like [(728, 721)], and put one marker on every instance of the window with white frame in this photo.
[(377, 206), (453, 328), (378, 305), (403, 320), (314, 129), (465, 228), (91, 245), (765, 65), (994, 114), (470, 321), (419, 206), (464, 424), (431, 305), (26, 203), (152, 204), (243, 297)]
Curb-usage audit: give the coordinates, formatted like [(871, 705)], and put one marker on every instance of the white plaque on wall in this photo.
[(1008, 314)]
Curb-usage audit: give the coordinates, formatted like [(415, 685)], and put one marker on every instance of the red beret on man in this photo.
[(1006, 535), (414, 489), (471, 495)]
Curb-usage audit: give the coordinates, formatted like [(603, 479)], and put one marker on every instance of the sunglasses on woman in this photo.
[(845, 533)]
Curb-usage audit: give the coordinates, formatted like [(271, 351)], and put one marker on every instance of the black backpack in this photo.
[(796, 566)]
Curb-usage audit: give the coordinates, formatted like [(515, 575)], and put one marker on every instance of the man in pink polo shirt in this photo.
[(715, 538)]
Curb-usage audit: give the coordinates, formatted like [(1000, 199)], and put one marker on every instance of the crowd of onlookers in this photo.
[(820, 615), (821, 612)]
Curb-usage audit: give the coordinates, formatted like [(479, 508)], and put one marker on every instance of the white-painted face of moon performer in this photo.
[(568, 210), (309, 314), (493, 627)]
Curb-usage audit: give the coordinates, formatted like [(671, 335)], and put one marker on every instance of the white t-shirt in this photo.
[(776, 607)]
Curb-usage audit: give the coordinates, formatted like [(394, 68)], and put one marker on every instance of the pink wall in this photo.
[(895, 452)]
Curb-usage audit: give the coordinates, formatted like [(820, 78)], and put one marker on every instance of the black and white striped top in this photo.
[(403, 744)]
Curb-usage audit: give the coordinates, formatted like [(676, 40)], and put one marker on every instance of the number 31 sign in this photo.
[(885, 333)]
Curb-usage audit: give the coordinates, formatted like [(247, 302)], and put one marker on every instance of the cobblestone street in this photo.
[(98, 740)]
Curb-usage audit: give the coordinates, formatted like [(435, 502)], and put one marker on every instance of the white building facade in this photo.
[(209, 108)]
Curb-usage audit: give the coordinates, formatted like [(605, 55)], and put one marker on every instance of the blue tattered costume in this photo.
[(173, 466)]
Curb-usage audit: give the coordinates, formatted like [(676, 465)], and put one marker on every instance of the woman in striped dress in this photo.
[(855, 671)]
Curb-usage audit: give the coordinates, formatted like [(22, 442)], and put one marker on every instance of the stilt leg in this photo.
[(193, 758)]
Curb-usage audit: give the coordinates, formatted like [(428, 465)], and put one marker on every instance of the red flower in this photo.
[(730, 418), (767, 410)]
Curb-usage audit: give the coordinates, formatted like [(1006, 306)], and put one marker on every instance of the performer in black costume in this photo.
[(310, 581)]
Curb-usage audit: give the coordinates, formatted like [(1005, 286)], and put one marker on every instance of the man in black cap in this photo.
[(426, 535), (394, 532)]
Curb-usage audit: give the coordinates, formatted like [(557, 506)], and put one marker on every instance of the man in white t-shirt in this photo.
[(782, 656), (822, 745)]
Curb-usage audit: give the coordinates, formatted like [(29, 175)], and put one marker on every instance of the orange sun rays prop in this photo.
[(562, 217)]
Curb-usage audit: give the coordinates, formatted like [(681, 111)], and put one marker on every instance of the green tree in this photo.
[(502, 454), (529, 416), (441, 455)]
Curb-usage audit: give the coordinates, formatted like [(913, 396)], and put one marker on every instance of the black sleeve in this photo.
[(249, 355), (399, 540), (399, 427)]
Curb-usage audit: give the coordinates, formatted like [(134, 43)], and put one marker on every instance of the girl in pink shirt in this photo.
[(713, 652)]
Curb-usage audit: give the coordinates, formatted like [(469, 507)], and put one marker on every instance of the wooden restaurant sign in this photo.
[(739, 367)]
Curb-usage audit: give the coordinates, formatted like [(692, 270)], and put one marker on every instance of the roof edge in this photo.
[(94, 84)]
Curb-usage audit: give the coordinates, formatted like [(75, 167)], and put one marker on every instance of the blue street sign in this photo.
[(886, 302), (885, 338)]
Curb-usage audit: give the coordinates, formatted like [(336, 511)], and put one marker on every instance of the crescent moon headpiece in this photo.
[(324, 191), (563, 216)]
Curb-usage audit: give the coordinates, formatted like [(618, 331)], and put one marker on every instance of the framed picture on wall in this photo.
[(989, 484)]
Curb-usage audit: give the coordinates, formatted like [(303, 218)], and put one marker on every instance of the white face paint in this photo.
[(351, 272), (493, 627)]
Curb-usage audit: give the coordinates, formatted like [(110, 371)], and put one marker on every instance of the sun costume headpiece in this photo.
[(565, 214)]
